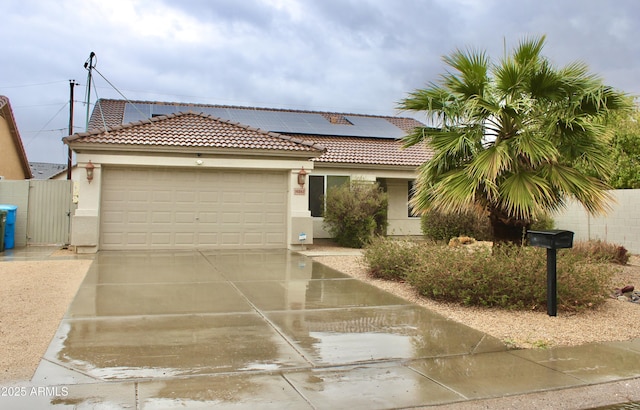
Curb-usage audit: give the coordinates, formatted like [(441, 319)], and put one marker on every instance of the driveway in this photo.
[(268, 329)]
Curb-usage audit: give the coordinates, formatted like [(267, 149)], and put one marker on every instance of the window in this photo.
[(411, 188), (318, 186)]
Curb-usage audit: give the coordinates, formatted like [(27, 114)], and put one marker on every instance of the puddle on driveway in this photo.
[(339, 336), (224, 391), (233, 311), (157, 299), (168, 346)]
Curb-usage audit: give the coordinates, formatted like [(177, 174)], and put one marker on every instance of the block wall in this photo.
[(621, 225)]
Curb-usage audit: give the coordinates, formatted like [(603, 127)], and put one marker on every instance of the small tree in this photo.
[(506, 136), (355, 213)]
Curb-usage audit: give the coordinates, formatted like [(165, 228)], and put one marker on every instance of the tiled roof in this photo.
[(338, 149), (46, 170), (193, 130), (110, 113), (107, 113), (373, 151)]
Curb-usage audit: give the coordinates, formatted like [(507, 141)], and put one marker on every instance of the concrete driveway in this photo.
[(271, 329)]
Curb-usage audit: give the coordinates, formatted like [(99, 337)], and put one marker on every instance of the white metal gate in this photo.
[(44, 210), (50, 210)]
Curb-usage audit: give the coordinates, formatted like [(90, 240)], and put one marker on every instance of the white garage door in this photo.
[(151, 208)]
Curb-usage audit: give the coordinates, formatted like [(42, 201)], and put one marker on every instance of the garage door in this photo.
[(151, 208)]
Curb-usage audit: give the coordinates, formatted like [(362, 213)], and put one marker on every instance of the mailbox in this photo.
[(553, 239)]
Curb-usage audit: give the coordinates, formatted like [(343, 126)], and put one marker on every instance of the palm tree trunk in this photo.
[(507, 230)]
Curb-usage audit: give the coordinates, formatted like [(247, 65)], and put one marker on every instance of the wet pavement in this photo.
[(273, 329)]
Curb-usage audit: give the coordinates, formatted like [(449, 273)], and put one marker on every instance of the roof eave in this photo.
[(81, 147), (320, 164)]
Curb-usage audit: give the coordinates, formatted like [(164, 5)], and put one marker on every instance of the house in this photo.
[(155, 175), (13, 158), (48, 170)]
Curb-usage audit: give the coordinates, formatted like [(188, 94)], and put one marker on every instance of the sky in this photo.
[(350, 56)]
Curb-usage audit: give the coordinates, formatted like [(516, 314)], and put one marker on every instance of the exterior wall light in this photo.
[(302, 174), (89, 168)]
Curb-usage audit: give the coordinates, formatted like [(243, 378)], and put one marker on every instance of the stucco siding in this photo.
[(10, 164)]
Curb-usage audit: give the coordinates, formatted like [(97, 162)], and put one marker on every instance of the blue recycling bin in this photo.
[(10, 225)]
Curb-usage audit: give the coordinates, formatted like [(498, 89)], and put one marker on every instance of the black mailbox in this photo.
[(553, 239)]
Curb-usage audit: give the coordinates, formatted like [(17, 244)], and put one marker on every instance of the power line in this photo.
[(30, 85), (51, 119), (42, 105)]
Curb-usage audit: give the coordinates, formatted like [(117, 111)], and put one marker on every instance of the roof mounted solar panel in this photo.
[(285, 122), (136, 112)]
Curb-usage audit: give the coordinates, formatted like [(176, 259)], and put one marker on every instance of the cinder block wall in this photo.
[(621, 225)]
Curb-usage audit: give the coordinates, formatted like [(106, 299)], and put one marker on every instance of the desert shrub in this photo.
[(543, 223), (600, 251), (355, 213), (388, 259), (440, 226), (509, 277)]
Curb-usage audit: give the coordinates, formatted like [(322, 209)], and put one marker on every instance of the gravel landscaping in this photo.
[(35, 297), (615, 320)]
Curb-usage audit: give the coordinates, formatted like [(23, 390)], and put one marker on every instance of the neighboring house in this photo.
[(13, 158), (167, 175), (47, 170)]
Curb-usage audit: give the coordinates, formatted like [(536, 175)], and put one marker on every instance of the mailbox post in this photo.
[(551, 240)]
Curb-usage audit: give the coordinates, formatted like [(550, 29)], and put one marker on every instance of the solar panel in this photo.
[(286, 122), (136, 112)]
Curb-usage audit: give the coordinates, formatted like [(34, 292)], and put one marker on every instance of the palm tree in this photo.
[(505, 136)]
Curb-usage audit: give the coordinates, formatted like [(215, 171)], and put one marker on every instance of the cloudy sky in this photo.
[(357, 56)]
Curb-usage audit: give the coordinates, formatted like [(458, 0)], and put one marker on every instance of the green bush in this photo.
[(439, 226), (544, 223), (508, 277), (355, 213), (599, 251), (388, 259)]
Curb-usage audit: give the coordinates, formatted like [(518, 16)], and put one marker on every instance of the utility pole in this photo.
[(72, 83), (89, 65)]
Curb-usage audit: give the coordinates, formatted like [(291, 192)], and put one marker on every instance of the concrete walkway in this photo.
[(273, 329)]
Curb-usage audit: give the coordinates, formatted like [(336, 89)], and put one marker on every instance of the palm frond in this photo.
[(490, 163), (535, 148), (472, 72), (590, 192), (522, 194), (545, 83), (509, 77), (454, 192), (417, 136), (529, 50)]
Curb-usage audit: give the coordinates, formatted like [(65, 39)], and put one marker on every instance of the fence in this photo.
[(44, 210), (621, 225)]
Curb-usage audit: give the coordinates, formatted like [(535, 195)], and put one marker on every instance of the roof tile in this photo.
[(190, 129), (230, 134)]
